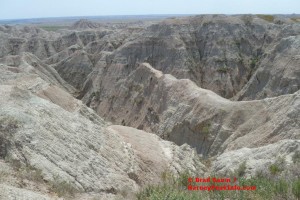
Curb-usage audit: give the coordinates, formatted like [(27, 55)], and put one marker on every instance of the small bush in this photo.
[(274, 169), (240, 171), (223, 69), (253, 63), (277, 167), (206, 129)]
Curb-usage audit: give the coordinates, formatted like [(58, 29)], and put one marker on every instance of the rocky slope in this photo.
[(79, 106), (82, 149)]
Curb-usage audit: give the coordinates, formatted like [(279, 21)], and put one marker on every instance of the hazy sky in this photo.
[(14, 9)]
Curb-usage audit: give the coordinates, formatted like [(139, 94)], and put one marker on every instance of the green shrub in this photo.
[(223, 69), (277, 167), (240, 171), (253, 63), (266, 189), (168, 192), (206, 129), (274, 169)]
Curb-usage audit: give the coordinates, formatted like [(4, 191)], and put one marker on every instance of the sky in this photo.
[(20, 9)]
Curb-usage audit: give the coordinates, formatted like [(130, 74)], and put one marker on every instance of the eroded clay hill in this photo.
[(50, 136), (81, 104), (234, 56)]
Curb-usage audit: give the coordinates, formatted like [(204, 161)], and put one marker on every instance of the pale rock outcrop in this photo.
[(60, 136), (258, 159)]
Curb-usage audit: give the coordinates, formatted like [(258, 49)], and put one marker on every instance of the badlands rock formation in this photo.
[(44, 127), (107, 108)]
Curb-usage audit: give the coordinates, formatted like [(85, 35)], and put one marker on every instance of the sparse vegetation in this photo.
[(62, 188), (172, 189), (295, 19), (206, 129), (203, 128), (296, 188), (281, 188), (269, 18), (223, 69), (277, 167), (53, 28), (137, 88), (266, 189), (27, 171), (30, 173)]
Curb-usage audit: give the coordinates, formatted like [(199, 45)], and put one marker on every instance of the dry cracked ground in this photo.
[(102, 110)]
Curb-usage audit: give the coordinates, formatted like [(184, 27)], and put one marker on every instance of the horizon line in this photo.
[(132, 15)]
